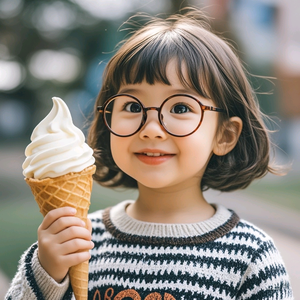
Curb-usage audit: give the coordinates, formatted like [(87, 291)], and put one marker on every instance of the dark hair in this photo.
[(214, 72)]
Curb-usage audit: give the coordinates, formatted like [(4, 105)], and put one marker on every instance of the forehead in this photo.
[(177, 80), (177, 74)]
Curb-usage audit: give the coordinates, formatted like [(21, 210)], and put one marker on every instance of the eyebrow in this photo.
[(187, 91), (129, 91)]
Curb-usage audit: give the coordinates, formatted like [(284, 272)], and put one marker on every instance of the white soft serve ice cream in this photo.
[(58, 147)]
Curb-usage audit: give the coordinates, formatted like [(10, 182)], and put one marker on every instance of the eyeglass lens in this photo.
[(180, 115)]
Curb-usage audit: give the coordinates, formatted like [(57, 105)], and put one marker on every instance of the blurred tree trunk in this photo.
[(178, 4)]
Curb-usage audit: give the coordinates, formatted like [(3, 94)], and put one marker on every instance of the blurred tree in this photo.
[(54, 47)]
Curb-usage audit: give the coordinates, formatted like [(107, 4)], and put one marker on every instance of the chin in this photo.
[(156, 184), (152, 184)]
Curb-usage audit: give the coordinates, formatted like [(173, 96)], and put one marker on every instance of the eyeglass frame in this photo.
[(203, 108)]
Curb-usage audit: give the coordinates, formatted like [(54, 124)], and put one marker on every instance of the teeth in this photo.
[(153, 154)]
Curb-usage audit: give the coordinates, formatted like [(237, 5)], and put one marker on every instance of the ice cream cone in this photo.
[(74, 190)]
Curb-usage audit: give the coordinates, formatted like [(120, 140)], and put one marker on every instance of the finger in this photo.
[(65, 222), (55, 214), (73, 232), (76, 245), (76, 258)]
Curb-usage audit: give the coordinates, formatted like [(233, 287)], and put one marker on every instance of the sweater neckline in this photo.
[(127, 229)]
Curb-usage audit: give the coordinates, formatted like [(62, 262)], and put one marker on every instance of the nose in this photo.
[(152, 129)]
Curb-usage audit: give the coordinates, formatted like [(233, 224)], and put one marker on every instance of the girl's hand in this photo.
[(61, 238)]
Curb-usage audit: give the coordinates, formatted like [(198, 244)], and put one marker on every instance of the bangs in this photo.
[(149, 59)]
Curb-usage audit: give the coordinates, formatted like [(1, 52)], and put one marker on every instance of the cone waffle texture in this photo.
[(74, 190)]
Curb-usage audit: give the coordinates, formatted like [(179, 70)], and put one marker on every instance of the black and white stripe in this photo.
[(219, 259), (236, 264)]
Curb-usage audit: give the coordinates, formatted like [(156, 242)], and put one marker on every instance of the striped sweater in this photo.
[(221, 258)]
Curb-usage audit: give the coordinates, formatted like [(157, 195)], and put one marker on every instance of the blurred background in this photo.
[(60, 48)]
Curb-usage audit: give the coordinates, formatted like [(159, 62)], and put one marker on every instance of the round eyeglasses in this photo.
[(180, 114)]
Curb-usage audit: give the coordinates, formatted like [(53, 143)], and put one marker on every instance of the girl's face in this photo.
[(184, 159)]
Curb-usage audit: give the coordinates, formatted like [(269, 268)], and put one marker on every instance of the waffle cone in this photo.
[(74, 190)]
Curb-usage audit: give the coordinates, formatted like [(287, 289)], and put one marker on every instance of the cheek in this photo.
[(114, 146), (198, 148), (196, 154)]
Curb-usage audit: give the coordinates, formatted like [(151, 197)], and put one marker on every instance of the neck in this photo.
[(169, 205)]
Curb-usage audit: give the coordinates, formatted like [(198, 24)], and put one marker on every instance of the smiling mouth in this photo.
[(153, 158), (153, 154)]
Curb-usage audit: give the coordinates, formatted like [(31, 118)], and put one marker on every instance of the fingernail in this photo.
[(83, 223), (73, 210), (92, 244)]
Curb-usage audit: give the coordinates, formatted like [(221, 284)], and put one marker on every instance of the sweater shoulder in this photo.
[(249, 229), (250, 236)]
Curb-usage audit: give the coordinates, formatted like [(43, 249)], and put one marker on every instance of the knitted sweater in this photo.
[(221, 258)]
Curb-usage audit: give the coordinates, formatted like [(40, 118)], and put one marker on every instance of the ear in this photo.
[(228, 136)]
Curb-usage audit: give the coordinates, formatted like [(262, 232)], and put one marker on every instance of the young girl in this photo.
[(175, 116)]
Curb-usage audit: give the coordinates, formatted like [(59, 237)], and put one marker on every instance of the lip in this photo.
[(153, 160)]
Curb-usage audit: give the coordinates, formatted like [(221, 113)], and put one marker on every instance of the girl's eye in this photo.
[(180, 108), (133, 107)]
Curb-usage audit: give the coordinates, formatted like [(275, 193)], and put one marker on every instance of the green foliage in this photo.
[(283, 191)]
